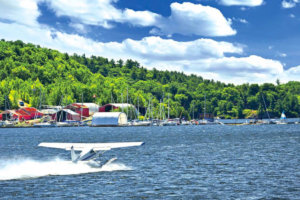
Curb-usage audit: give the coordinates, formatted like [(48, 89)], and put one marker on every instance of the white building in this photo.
[(109, 119)]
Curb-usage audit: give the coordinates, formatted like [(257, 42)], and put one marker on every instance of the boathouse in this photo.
[(33, 112), (25, 113), (79, 108), (65, 114), (6, 115), (91, 106), (109, 119)]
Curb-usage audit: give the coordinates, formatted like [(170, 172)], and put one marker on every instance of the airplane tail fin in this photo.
[(74, 156)]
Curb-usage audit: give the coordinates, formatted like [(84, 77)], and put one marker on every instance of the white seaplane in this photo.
[(90, 152)]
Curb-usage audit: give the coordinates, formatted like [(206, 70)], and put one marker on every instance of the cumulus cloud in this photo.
[(170, 50), (140, 18), (186, 18), (291, 74), (289, 4), (250, 3), (22, 12)]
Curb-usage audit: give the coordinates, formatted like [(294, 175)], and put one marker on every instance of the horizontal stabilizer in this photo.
[(94, 146)]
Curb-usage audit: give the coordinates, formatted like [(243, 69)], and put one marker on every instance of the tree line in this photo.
[(44, 76)]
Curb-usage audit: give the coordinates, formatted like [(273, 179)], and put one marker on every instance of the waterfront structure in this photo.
[(65, 115), (93, 108), (109, 119), (26, 113), (79, 108)]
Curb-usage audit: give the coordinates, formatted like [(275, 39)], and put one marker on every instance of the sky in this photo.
[(232, 41)]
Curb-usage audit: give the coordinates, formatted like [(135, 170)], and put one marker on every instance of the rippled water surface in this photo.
[(183, 162)]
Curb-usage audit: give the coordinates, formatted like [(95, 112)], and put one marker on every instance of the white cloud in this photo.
[(244, 21), (252, 69), (140, 18), (283, 55), (186, 18), (79, 27), (250, 3), (291, 74), (169, 50), (22, 12), (195, 19), (292, 16), (91, 12), (101, 13), (289, 4)]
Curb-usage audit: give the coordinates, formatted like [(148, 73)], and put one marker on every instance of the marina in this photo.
[(207, 162), (150, 100)]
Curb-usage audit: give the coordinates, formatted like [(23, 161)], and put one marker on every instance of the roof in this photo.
[(51, 107), (30, 109), (48, 111), (89, 104), (109, 119), (121, 105), (77, 105), (69, 111), (107, 114)]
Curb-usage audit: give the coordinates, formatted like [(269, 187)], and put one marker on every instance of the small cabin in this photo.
[(109, 119)]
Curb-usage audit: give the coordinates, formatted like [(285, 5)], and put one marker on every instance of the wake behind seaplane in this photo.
[(90, 152)]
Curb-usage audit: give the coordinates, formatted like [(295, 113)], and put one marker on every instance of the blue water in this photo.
[(183, 162)]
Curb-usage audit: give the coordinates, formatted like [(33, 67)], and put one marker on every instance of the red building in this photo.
[(13, 115), (21, 114), (33, 112), (78, 108)]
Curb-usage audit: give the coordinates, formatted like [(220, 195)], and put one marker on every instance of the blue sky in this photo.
[(234, 41)]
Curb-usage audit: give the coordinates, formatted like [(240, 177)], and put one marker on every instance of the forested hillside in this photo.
[(32, 73)]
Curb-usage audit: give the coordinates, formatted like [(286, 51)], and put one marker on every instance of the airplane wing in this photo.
[(94, 146)]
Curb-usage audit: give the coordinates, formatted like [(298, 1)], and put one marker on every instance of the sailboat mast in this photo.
[(122, 102), (5, 103), (160, 109), (163, 107), (151, 105), (265, 105), (81, 106), (127, 101), (193, 110), (168, 106), (111, 97), (204, 106), (138, 114)]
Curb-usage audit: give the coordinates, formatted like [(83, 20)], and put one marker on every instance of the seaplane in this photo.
[(90, 152)]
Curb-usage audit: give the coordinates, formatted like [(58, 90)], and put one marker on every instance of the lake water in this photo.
[(183, 162)]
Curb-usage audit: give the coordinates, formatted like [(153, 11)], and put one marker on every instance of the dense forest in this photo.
[(44, 76)]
